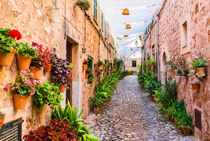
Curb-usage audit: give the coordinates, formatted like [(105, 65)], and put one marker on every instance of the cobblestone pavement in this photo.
[(132, 116)]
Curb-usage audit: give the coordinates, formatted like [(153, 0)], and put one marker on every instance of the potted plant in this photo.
[(22, 88), (61, 72), (85, 64), (2, 117), (178, 76), (8, 45), (83, 4), (24, 56), (150, 63), (100, 63), (47, 93), (199, 65)]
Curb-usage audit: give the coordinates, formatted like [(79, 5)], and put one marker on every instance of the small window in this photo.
[(90, 63), (95, 12), (184, 34), (134, 63)]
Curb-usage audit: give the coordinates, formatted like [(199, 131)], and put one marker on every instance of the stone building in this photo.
[(182, 29), (133, 62), (76, 35)]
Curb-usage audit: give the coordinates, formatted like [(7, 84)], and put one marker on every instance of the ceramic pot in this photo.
[(62, 88), (37, 72), (1, 122), (23, 62), (195, 86), (85, 66), (20, 101), (48, 68), (7, 60), (201, 71)]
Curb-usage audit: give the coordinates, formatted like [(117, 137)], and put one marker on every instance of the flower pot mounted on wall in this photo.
[(48, 68), (23, 62), (20, 101), (6, 60), (62, 88), (201, 71), (1, 122), (37, 72)]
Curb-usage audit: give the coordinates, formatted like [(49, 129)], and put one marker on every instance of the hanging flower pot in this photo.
[(128, 26), (23, 62), (195, 86), (62, 88), (178, 79), (20, 101), (36, 71), (85, 66), (201, 71), (125, 12), (2, 117), (6, 60), (48, 68)]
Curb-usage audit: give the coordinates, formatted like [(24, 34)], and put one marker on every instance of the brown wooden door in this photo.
[(69, 88)]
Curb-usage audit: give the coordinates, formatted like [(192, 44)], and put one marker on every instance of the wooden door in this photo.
[(69, 88)]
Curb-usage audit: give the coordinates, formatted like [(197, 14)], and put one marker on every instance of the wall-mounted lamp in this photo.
[(83, 49)]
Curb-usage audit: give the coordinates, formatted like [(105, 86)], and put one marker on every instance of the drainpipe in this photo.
[(158, 51)]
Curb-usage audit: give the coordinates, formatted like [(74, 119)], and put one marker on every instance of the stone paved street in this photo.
[(132, 116)]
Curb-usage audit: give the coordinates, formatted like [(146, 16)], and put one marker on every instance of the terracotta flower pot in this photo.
[(85, 66), (201, 71), (96, 110), (1, 123), (185, 130), (20, 101), (37, 72), (48, 68), (62, 88), (195, 86), (7, 60), (23, 62)]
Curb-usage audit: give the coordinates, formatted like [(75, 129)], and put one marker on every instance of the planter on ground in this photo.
[(195, 86), (20, 101), (48, 68), (36, 71), (23, 62), (6, 60)]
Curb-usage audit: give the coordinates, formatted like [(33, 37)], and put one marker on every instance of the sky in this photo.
[(141, 13)]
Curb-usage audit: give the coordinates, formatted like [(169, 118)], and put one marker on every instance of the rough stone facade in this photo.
[(195, 15), (53, 23)]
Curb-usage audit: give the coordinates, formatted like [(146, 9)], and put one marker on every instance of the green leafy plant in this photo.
[(47, 93), (7, 43), (2, 115), (90, 78), (179, 72), (70, 116), (186, 72), (83, 4), (25, 50), (199, 63)]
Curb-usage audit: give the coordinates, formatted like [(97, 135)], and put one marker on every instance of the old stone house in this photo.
[(182, 29), (76, 35), (133, 62)]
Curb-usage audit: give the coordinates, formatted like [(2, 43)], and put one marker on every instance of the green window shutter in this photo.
[(95, 9), (105, 29), (90, 63), (102, 20)]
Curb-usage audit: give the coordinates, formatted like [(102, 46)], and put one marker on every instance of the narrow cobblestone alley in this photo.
[(132, 116)]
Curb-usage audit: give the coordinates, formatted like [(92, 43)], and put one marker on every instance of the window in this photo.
[(95, 14), (134, 63), (90, 63), (184, 34), (102, 20)]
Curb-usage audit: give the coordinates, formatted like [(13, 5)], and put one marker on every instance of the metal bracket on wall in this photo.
[(12, 131)]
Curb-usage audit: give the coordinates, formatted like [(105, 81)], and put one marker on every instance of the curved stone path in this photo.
[(132, 116)]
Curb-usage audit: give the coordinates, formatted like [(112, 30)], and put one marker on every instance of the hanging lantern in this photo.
[(125, 12), (125, 35), (131, 49), (128, 26), (134, 55)]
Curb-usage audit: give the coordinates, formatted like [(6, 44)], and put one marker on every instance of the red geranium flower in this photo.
[(15, 34)]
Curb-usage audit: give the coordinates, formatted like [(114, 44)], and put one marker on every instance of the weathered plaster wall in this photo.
[(173, 15), (128, 64), (47, 22)]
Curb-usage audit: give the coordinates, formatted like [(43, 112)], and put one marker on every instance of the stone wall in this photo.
[(52, 23), (172, 17)]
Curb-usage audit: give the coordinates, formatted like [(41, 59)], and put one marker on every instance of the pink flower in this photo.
[(38, 82), (23, 72), (31, 85), (31, 74), (32, 93), (14, 88), (7, 87), (26, 81)]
